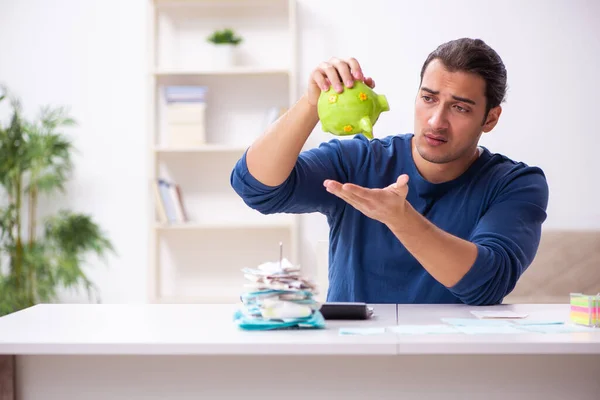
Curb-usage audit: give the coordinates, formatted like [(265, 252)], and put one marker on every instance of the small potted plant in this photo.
[(225, 42)]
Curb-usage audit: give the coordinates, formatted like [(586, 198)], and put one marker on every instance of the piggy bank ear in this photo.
[(366, 126)]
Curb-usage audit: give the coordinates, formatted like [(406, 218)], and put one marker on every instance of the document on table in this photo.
[(499, 314), (435, 329), (526, 322), (472, 326), (493, 330), (400, 329), (361, 331), (563, 328), (423, 329), (475, 322)]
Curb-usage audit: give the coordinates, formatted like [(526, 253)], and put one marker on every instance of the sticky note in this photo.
[(422, 329), (499, 314), (563, 328), (475, 322), (361, 331), (526, 322), (481, 330), (585, 309)]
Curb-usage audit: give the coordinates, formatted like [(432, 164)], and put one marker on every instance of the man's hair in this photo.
[(474, 56)]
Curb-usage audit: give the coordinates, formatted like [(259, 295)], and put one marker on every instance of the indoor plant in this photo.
[(38, 256), (224, 42)]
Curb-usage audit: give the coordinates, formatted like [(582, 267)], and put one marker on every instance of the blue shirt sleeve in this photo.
[(507, 238), (303, 190)]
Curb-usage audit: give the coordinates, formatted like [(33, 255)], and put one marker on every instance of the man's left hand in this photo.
[(385, 205)]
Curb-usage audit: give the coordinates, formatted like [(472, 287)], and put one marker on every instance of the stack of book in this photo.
[(169, 204), (185, 115)]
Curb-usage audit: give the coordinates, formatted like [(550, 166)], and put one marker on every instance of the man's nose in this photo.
[(438, 120)]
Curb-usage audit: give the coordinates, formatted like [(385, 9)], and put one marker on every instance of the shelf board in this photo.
[(208, 299), (195, 226), (216, 3), (230, 71), (208, 148)]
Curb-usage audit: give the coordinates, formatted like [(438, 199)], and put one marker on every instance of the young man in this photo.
[(428, 217)]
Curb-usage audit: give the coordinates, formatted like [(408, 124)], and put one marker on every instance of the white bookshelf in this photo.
[(208, 148), (200, 260), (237, 70)]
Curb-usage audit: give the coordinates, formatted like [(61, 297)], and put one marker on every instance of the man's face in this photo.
[(449, 114)]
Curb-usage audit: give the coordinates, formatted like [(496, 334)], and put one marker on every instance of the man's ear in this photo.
[(492, 119)]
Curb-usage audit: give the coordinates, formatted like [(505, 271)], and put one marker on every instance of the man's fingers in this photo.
[(402, 180), (336, 190), (331, 73), (401, 185), (343, 70), (320, 80), (340, 73), (331, 184), (347, 192), (355, 195), (359, 191), (355, 68), (359, 203)]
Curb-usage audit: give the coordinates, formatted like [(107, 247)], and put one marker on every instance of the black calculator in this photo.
[(347, 311)]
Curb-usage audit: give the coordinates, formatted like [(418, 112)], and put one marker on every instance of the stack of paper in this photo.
[(277, 297)]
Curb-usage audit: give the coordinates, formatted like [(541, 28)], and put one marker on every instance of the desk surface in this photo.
[(172, 329), (175, 329), (521, 343)]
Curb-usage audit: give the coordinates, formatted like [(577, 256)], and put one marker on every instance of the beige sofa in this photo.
[(566, 262)]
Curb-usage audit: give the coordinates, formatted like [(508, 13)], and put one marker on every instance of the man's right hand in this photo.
[(337, 73), (273, 155)]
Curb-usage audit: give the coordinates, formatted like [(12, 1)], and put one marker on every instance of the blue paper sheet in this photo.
[(475, 322), (564, 328), (536, 323), (423, 329), (488, 330), (361, 331)]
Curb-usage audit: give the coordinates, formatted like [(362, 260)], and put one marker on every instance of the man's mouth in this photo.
[(436, 137)]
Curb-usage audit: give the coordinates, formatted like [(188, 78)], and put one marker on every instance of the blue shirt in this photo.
[(498, 204)]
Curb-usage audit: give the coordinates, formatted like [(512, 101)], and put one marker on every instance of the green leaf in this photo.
[(76, 233), (224, 36)]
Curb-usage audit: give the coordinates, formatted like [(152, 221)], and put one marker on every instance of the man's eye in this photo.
[(461, 109), (426, 98)]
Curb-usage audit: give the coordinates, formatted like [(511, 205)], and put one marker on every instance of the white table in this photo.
[(194, 351)]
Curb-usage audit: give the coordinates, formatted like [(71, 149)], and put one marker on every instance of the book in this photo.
[(169, 202)]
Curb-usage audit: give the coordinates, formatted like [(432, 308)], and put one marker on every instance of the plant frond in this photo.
[(36, 157), (77, 233)]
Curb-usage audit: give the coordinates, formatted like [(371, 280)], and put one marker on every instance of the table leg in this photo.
[(7, 377)]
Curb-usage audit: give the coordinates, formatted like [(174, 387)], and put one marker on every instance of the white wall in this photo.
[(552, 53), (91, 55)]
